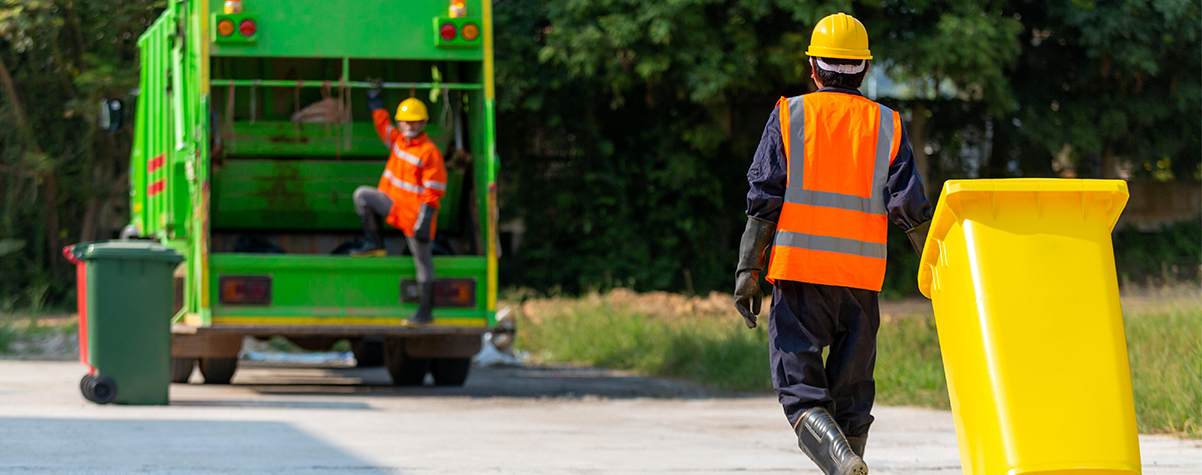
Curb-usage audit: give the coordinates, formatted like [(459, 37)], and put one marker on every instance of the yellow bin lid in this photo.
[(1096, 196)]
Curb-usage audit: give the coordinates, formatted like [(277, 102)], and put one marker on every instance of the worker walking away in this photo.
[(408, 193), (832, 168)]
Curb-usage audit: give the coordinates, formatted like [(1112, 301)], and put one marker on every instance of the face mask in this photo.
[(412, 134)]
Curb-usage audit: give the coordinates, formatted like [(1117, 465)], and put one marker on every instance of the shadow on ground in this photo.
[(523, 382), (180, 446)]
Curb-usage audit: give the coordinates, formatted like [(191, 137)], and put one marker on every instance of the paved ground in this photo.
[(528, 421)]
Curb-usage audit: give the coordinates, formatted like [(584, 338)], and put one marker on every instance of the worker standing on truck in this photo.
[(407, 196), (832, 168)]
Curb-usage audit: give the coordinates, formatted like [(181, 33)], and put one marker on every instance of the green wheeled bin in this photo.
[(126, 296)]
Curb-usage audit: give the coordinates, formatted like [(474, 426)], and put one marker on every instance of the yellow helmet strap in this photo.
[(842, 68)]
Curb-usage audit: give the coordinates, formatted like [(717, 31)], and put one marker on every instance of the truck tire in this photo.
[(181, 369), (405, 371), (369, 352), (450, 371), (218, 370)]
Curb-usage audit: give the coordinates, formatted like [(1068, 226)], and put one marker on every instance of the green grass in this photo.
[(30, 330), (909, 367), (1165, 350), (716, 350), (712, 352)]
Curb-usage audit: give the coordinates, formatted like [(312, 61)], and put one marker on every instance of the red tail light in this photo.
[(245, 289), (447, 292), (248, 28), (447, 31)]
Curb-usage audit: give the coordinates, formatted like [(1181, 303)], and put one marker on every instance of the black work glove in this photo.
[(918, 236), (425, 220), (757, 236), (374, 99)]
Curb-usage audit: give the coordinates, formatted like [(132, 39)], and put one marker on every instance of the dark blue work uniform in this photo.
[(805, 317)]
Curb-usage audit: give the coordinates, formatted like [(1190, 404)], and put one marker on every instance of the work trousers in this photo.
[(804, 319), (372, 203)]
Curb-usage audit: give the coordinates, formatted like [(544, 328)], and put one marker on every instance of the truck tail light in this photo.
[(245, 289), (447, 31), (447, 292), (225, 27), (248, 28), (471, 32)]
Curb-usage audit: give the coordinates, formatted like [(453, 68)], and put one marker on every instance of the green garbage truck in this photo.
[(251, 134)]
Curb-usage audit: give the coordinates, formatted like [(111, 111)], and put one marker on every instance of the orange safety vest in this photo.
[(832, 225), (414, 175)]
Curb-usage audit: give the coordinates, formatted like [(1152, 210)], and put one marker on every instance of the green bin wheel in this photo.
[(83, 383), (218, 370), (450, 371), (181, 369), (99, 389), (405, 370)]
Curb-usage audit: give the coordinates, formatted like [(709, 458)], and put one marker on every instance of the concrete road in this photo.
[(527, 421)]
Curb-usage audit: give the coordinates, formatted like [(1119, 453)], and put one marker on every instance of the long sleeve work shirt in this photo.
[(905, 199)]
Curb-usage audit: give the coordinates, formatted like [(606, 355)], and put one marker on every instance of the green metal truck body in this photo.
[(227, 169)]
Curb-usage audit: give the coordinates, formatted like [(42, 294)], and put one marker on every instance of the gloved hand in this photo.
[(748, 296), (425, 221), (918, 236), (757, 236), (374, 100)]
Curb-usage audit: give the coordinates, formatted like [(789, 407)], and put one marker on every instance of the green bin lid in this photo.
[(127, 250)]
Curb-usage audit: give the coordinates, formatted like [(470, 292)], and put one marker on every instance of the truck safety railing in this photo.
[(347, 84)]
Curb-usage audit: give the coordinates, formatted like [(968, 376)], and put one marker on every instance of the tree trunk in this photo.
[(997, 162), (50, 201), (917, 131), (1110, 163)]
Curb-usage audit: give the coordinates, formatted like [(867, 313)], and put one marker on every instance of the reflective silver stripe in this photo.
[(388, 131), (831, 244), (406, 156), (437, 185), (797, 143), (797, 194), (884, 145), (402, 184)]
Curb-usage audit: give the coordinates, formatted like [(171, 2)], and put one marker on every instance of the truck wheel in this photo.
[(181, 369), (99, 389), (369, 352), (450, 371), (405, 371), (218, 370)]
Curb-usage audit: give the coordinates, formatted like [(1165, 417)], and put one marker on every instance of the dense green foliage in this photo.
[(626, 127), (61, 179), (1172, 254), (716, 350)]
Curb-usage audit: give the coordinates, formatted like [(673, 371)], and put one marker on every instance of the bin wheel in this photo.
[(99, 389), (405, 371), (218, 370), (450, 371), (181, 369), (369, 352)]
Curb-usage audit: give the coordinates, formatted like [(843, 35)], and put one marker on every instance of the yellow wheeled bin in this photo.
[(1021, 274)]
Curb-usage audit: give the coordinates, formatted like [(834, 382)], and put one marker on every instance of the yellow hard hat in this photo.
[(412, 110), (839, 36)]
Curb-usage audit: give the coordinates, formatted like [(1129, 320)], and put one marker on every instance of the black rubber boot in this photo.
[(425, 304), (373, 243), (857, 444), (820, 438)]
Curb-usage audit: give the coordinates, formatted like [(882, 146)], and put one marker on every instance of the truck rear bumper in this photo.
[(327, 330)]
